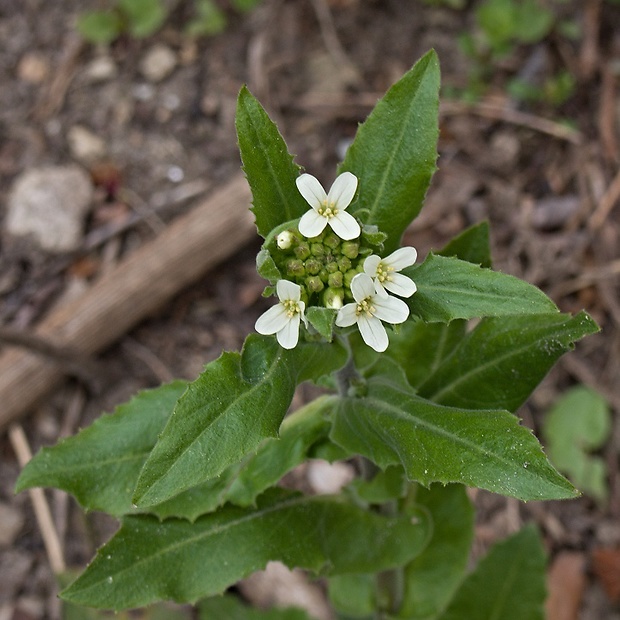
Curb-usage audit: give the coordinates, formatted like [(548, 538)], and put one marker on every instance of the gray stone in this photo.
[(158, 63), (11, 522), (48, 205), (85, 146)]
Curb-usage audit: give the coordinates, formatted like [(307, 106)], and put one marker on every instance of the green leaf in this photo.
[(472, 245), (500, 362), (432, 577), (147, 560), (269, 167), (241, 483), (509, 583), (266, 267), (145, 16), (322, 319), (580, 423), (236, 403), (99, 26), (230, 607), (449, 288), (420, 347), (434, 443), (100, 465), (211, 19), (395, 150), (383, 487), (354, 595)]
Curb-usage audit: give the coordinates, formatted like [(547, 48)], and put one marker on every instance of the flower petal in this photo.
[(400, 285), (373, 333), (288, 336), (312, 224), (390, 309), (371, 264), (346, 315), (343, 190), (362, 287), (272, 321), (345, 225), (310, 188), (401, 258), (288, 290), (380, 289)]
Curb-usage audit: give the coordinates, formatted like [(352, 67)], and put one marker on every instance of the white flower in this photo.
[(369, 310), (383, 272), (328, 208), (283, 318)]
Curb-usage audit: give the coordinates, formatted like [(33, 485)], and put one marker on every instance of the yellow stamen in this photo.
[(328, 209)]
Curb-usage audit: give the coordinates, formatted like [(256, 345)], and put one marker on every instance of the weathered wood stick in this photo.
[(135, 288)]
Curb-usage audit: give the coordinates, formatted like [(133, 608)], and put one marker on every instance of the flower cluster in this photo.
[(327, 268)]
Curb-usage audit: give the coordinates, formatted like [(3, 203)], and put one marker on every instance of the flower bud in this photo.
[(344, 264), (331, 267), (324, 275), (313, 266), (348, 276), (294, 267), (350, 249), (318, 250), (302, 251), (333, 298), (332, 241), (335, 280), (285, 239), (314, 284)]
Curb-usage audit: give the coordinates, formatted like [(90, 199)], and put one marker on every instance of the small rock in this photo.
[(158, 63), (85, 146), (33, 68), (48, 205), (100, 69), (11, 522)]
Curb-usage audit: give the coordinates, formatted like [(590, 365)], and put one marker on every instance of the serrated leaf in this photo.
[(509, 583), (383, 487), (236, 403), (230, 607), (395, 150), (268, 166), (449, 288), (100, 465), (148, 561), (472, 245), (500, 362), (432, 577), (579, 423), (481, 448), (241, 483)]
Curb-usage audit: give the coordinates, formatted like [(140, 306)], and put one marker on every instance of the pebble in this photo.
[(100, 69), (48, 205), (33, 68), (158, 63), (84, 145), (328, 478)]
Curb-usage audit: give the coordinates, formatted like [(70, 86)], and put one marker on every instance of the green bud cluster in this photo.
[(323, 266)]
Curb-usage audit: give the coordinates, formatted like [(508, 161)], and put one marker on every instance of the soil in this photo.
[(545, 176)]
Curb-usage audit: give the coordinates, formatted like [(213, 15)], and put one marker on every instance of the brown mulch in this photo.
[(550, 192)]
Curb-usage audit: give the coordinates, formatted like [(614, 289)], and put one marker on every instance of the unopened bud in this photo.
[(318, 250), (335, 280), (350, 249), (314, 284), (331, 267), (313, 266), (324, 275), (302, 251), (333, 297), (348, 276), (294, 267), (285, 239), (344, 264), (331, 241)]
